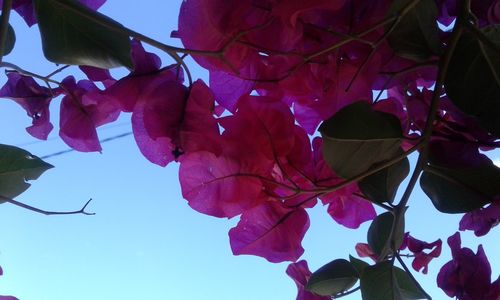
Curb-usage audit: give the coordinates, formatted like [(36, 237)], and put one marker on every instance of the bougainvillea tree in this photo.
[(378, 80)]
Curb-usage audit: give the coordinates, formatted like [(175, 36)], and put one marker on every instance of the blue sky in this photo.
[(145, 242)]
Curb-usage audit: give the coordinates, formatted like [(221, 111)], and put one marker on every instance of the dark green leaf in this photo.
[(383, 185), (70, 36), (357, 137), (407, 287), (461, 190), (333, 278), (473, 78), (10, 41), (358, 264), (416, 36), (16, 167), (379, 233), (378, 282)]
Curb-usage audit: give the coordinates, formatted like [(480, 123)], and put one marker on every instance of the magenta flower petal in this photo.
[(300, 274), (481, 220), (98, 75), (228, 88), (146, 74), (34, 98), (200, 130), (467, 275), (422, 259), (271, 231), (261, 125), (93, 4), (157, 151), (77, 129), (83, 109), (212, 185), (364, 250), (164, 109), (144, 62), (350, 211)]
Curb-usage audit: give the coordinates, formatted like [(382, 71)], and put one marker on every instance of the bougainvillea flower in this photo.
[(272, 231), (482, 220), (145, 73), (83, 109), (26, 10), (300, 274), (261, 130), (422, 259), (290, 10), (156, 118), (467, 276), (158, 150), (98, 75), (216, 186), (228, 88), (156, 98), (364, 250), (199, 129), (349, 210), (34, 98)]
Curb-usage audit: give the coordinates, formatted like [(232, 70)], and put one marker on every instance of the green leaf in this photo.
[(358, 264), (16, 167), (407, 287), (10, 41), (378, 282), (383, 185), (461, 190), (379, 233), (71, 36), (416, 36), (473, 78), (333, 278), (357, 137)]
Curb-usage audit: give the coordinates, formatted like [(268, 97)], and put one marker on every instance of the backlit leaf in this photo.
[(460, 190), (383, 185), (16, 167), (379, 233), (71, 36), (333, 278), (357, 137), (473, 78), (416, 36), (10, 41), (378, 282)]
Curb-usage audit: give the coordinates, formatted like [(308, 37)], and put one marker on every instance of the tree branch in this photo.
[(48, 213)]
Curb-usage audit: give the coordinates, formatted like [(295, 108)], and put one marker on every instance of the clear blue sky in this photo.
[(145, 242)]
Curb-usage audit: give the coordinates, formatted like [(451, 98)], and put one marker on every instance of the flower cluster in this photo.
[(278, 68)]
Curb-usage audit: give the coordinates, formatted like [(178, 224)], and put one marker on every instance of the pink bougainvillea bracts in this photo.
[(467, 276), (300, 274)]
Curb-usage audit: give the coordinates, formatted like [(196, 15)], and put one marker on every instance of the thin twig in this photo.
[(58, 70), (24, 72), (48, 213)]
